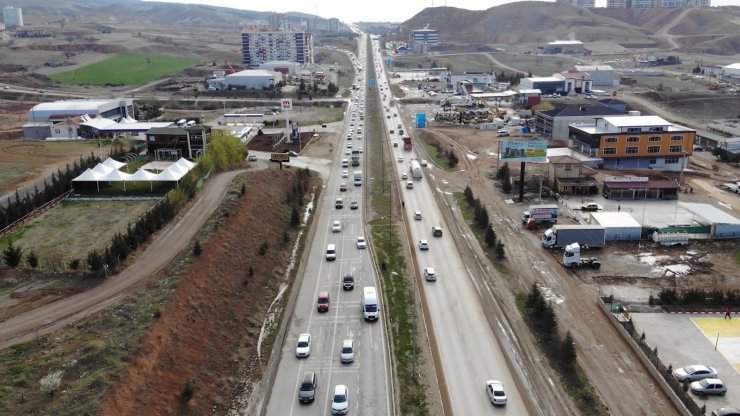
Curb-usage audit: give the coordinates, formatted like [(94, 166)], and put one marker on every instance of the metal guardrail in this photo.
[(35, 213)]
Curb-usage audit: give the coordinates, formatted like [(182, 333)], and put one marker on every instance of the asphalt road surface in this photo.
[(470, 353), (368, 377)]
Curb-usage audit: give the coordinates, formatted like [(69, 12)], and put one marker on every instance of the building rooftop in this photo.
[(710, 213), (72, 105), (664, 184), (638, 121), (575, 74), (576, 111), (565, 42), (563, 160), (732, 66), (587, 68), (529, 91), (615, 219), (545, 79), (252, 73)]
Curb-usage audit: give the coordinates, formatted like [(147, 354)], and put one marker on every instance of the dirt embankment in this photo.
[(209, 330)]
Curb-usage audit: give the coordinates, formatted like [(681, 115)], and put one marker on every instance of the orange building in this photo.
[(635, 142)]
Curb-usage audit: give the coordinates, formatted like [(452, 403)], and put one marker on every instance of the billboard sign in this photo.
[(286, 104), (524, 151), (421, 120)]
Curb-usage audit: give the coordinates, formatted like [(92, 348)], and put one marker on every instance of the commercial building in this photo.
[(575, 82), (578, 3), (546, 85), (722, 134), (635, 142), (260, 45), (554, 124), (651, 4), (421, 39), (249, 79), (114, 109), (619, 226), (479, 81), (636, 188), (570, 176), (175, 142), (722, 224), (562, 46), (602, 75), (12, 17), (731, 71)]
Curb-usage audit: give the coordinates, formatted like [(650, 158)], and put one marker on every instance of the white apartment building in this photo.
[(260, 45), (12, 17)]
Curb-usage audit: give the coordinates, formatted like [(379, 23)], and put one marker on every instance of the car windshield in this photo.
[(303, 343), (307, 386), (346, 350), (691, 369), (371, 308), (704, 383), (340, 398), (499, 393)]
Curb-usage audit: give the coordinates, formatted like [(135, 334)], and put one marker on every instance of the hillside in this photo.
[(538, 22)]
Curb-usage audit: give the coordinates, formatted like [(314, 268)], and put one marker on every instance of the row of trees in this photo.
[(544, 323), (481, 221), (699, 297)]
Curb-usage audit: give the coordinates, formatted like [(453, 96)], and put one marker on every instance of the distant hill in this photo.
[(711, 30)]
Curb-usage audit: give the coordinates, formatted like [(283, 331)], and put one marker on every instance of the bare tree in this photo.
[(50, 384)]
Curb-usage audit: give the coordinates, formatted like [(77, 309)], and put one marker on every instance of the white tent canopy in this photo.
[(102, 169), (88, 175), (185, 163), (143, 175), (177, 169), (116, 176), (112, 163), (170, 175)]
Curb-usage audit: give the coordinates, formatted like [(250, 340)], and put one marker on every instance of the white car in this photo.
[(303, 346), (336, 227), (361, 243), (423, 245), (360, 149), (694, 373), (404, 176), (430, 274), (252, 158), (708, 386), (496, 394), (347, 354), (348, 152), (400, 159), (423, 162), (345, 174), (417, 215), (340, 401)]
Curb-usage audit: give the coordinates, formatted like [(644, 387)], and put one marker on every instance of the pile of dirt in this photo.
[(80, 47), (209, 331)]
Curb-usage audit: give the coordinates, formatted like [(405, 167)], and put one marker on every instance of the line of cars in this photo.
[(702, 380)]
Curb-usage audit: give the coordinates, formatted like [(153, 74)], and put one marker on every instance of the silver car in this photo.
[(694, 373)]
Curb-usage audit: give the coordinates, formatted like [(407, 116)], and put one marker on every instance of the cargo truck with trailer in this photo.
[(407, 144), (588, 236), (540, 215), (572, 258)]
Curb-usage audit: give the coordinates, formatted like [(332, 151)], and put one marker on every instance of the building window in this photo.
[(609, 151), (631, 150), (610, 140), (654, 138), (653, 161), (655, 129), (676, 138), (653, 149), (671, 160), (633, 130), (633, 139), (567, 168), (674, 149)]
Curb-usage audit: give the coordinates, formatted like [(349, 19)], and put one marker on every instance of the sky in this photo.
[(369, 10)]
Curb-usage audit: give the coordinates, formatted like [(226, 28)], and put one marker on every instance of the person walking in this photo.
[(728, 313)]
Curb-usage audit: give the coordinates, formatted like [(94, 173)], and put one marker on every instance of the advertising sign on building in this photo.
[(524, 151), (286, 104)]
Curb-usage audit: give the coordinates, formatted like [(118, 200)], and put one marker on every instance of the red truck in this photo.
[(407, 143)]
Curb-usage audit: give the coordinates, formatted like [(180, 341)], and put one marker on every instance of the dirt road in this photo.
[(613, 368), (168, 243)]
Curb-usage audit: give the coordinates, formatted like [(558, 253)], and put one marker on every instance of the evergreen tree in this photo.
[(568, 353), (32, 259), (490, 236), (12, 255), (500, 253)]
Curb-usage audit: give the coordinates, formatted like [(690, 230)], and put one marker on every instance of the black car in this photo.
[(348, 281)]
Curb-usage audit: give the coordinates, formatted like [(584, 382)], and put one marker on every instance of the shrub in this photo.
[(74, 264), (295, 217), (188, 390), (263, 248), (500, 253), (32, 259), (197, 249), (94, 261), (50, 384), (12, 255), (490, 236)]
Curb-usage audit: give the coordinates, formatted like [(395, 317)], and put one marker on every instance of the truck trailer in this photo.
[(415, 169), (407, 143), (588, 236), (540, 215), (671, 239)]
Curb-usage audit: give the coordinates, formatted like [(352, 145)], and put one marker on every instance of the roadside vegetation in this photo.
[(125, 69), (560, 351), (476, 215), (398, 290)]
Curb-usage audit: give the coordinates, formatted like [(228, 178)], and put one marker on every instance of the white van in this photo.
[(331, 252), (502, 133), (370, 307)]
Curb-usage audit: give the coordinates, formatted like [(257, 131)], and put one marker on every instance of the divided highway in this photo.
[(368, 377), (470, 353)]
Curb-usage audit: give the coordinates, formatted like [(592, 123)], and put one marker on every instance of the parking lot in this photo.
[(686, 339)]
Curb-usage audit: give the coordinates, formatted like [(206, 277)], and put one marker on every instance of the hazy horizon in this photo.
[(375, 11)]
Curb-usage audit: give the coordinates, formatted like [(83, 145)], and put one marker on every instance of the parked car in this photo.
[(303, 346), (292, 153), (307, 389), (348, 281), (694, 373), (340, 401), (252, 158), (591, 206), (708, 386), (726, 411), (361, 243), (430, 274), (496, 394), (423, 245)]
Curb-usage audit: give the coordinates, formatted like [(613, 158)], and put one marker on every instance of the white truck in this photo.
[(415, 169), (572, 258), (540, 215), (671, 239), (358, 178), (591, 236)]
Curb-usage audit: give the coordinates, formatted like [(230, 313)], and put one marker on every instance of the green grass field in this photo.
[(126, 69)]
